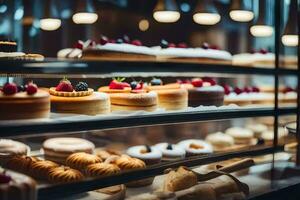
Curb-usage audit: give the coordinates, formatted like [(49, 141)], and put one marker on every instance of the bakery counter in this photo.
[(67, 122), (113, 68)]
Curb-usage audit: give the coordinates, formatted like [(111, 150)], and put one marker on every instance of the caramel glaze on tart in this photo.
[(102, 169), (64, 174), (40, 169), (81, 160)]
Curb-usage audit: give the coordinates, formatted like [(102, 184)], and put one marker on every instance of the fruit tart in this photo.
[(78, 100), (23, 102)]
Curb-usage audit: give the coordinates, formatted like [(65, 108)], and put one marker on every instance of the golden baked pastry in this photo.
[(104, 154), (53, 91), (107, 90), (64, 174), (21, 163), (102, 169), (180, 179), (81, 160), (40, 169), (126, 163)]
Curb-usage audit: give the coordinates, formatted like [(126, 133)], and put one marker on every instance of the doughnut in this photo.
[(21, 163), (257, 129), (64, 174), (41, 169), (9, 148), (150, 155), (81, 160), (102, 169), (220, 140), (240, 135), (268, 136), (58, 149), (170, 151), (195, 147)]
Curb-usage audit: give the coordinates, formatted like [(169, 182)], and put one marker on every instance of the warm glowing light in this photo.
[(166, 16), (261, 30), (85, 18), (241, 15), (50, 24), (290, 40), (206, 18), (144, 25)]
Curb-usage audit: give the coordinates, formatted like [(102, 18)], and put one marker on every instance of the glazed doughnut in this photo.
[(170, 151), (150, 155), (220, 140), (258, 129), (240, 135), (9, 148), (196, 147), (127, 163), (58, 149), (81, 160), (64, 174), (41, 168), (102, 169), (21, 163)]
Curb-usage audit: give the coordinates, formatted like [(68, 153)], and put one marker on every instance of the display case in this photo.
[(119, 130)]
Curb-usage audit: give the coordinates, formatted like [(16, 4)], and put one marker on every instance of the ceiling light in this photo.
[(290, 36), (166, 11), (206, 13), (85, 12), (50, 21), (238, 11)]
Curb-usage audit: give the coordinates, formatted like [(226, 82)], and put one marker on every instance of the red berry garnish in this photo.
[(210, 80), (247, 89), (255, 89), (103, 40), (64, 86), (288, 89), (136, 43), (238, 90), (4, 178), (215, 47), (112, 41), (118, 84), (197, 82), (31, 88), (172, 45), (79, 45), (205, 45), (10, 89), (182, 45), (263, 51), (227, 89)]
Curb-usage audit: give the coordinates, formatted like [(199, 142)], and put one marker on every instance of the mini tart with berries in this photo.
[(23, 102), (116, 86), (170, 97), (78, 100)]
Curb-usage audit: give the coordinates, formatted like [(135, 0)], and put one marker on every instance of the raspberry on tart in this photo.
[(31, 88), (118, 84), (10, 89), (64, 86)]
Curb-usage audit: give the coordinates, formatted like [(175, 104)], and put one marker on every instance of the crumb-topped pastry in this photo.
[(196, 147), (170, 97), (64, 174), (23, 102), (170, 151), (58, 149), (78, 100), (10, 148), (41, 168), (81, 160), (134, 97)]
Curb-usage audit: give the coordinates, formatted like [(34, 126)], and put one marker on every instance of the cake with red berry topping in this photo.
[(121, 49), (16, 186), (170, 97), (204, 54), (76, 51), (23, 102), (78, 100), (256, 58), (130, 97)]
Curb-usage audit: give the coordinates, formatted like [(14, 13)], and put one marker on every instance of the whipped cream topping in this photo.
[(136, 152), (69, 53), (193, 53), (238, 132), (246, 58), (11, 54), (211, 88), (249, 96)]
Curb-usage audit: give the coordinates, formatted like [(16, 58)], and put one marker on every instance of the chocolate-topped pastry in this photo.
[(8, 46)]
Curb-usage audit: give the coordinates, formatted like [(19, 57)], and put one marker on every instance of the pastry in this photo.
[(82, 160), (241, 135), (102, 169), (16, 186), (117, 86), (21, 164), (170, 151), (150, 155), (180, 179), (220, 141), (210, 54), (257, 129), (40, 169), (64, 174), (76, 52), (260, 58), (8, 49), (58, 149), (104, 154), (204, 92), (78, 100), (23, 102), (196, 147), (170, 97), (10, 148), (268, 136), (121, 49)]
